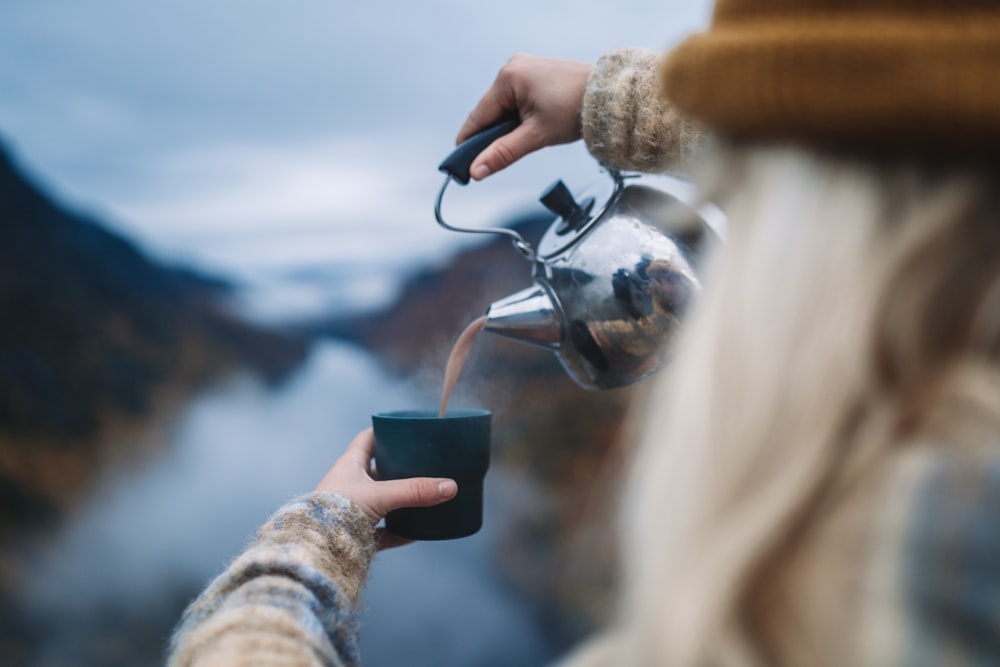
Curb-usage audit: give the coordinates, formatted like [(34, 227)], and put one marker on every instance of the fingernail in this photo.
[(480, 172), (447, 488)]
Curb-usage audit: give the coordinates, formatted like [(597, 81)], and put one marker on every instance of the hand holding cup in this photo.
[(422, 444), (351, 476)]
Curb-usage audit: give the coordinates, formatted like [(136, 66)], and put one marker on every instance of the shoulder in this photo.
[(935, 557)]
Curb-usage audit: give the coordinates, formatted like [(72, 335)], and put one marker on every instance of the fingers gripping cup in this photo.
[(418, 443)]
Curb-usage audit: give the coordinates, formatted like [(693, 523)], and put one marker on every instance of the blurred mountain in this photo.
[(97, 337), (435, 303)]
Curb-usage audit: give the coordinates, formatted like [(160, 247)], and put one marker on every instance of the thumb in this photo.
[(414, 492), (505, 151)]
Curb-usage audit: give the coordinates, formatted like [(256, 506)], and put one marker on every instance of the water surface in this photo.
[(148, 537)]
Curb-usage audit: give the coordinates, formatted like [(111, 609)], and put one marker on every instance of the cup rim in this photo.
[(431, 414)]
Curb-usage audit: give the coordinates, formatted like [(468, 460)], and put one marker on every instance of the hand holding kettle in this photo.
[(616, 270), (612, 276), (547, 95)]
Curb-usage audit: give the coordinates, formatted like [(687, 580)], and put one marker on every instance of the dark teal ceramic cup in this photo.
[(418, 443)]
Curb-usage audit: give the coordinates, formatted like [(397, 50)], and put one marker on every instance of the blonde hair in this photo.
[(854, 302)]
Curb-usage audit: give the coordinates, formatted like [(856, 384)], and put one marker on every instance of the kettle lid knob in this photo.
[(558, 199)]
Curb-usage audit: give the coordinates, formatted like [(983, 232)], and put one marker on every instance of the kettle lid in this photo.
[(574, 219)]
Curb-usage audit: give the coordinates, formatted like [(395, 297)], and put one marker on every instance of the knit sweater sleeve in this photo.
[(289, 598), (627, 123)]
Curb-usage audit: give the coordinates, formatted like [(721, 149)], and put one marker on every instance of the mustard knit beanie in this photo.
[(900, 72)]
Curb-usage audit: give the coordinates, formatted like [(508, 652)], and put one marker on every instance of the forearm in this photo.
[(290, 597), (627, 123)]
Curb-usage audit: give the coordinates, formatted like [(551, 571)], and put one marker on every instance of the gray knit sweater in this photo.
[(289, 598)]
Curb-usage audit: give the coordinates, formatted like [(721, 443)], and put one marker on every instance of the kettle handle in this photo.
[(456, 166), (457, 163)]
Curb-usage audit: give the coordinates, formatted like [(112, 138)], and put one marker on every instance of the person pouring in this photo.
[(817, 474)]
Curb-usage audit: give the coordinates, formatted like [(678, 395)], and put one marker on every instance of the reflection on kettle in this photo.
[(611, 280)]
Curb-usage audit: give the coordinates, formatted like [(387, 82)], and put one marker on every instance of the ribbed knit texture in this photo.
[(627, 124), (904, 73), (289, 598)]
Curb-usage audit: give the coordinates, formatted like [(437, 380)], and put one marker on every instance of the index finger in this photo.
[(491, 108)]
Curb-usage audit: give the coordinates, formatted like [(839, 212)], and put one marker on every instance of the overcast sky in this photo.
[(205, 128)]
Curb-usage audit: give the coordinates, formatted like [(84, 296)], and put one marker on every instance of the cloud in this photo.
[(247, 133)]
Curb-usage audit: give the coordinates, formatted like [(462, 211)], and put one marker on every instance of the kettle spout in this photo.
[(528, 315)]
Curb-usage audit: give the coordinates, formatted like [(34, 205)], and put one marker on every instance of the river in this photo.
[(148, 536)]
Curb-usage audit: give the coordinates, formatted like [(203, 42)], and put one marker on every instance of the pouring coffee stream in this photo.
[(612, 276), (457, 359)]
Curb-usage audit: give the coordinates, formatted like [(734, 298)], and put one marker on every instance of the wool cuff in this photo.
[(627, 123)]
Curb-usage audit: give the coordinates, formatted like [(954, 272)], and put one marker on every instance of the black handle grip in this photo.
[(458, 162)]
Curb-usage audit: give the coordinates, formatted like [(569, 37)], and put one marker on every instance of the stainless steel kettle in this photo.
[(611, 279)]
